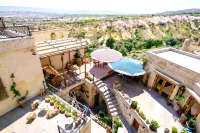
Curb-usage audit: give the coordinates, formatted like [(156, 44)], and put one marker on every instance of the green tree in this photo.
[(110, 42), (129, 46), (170, 42), (123, 50)]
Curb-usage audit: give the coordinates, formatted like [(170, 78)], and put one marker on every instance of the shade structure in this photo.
[(127, 66), (106, 55)]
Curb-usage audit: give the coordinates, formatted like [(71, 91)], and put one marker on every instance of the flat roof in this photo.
[(181, 58), (53, 47)]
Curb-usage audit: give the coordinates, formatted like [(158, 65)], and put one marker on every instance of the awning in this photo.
[(166, 77)]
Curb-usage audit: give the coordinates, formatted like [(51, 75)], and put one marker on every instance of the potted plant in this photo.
[(78, 58), (142, 115), (56, 104), (138, 109), (74, 114), (166, 130), (154, 125), (169, 102), (179, 98), (22, 100), (147, 121), (47, 98), (62, 108), (191, 123), (134, 104), (184, 131), (68, 112), (53, 100), (174, 130)]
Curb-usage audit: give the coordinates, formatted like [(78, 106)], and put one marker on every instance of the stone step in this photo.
[(102, 89), (110, 106), (111, 101), (108, 99), (114, 109), (98, 82), (116, 113), (109, 95), (100, 85)]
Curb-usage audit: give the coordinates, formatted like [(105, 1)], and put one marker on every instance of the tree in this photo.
[(123, 50), (110, 42), (150, 43), (170, 42), (129, 46)]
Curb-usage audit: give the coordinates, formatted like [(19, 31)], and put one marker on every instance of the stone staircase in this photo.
[(110, 100)]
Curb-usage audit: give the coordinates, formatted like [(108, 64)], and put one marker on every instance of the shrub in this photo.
[(154, 125), (118, 124), (142, 114), (123, 50), (134, 104), (184, 131), (174, 130), (74, 114), (138, 109), (170, 42), (128, 46), (150, 43), (110, 42), (148, 121), (192, 123)]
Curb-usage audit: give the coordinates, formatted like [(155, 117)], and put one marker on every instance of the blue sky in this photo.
[(125, 6)]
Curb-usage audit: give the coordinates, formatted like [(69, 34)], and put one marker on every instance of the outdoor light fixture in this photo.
[(33, 52)]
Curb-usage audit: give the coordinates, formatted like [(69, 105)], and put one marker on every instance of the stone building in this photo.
[(175, 73), (18, 55)]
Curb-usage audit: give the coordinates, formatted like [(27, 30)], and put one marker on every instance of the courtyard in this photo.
[(150, 102)]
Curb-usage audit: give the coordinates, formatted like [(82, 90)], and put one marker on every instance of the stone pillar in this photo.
[(186, 45), (174, 92)]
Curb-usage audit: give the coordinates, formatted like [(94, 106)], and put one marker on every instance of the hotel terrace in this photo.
[(78, 86)]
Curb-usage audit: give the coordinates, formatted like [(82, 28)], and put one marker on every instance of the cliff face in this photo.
[(179, 26)]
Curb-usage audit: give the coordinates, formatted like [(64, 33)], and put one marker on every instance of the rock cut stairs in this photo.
[(110, 100)]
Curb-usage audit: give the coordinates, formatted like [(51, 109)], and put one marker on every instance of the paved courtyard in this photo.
[(153, 105)]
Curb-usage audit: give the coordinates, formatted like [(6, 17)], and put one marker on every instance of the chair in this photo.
[(95, 62), (31, 116)]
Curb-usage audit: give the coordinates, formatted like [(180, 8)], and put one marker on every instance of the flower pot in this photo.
[(22, 103), (47, 100), (169, 102), (108, 130), (78, 61)]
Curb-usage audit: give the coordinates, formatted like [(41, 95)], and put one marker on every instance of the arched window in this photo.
[(53, 36)]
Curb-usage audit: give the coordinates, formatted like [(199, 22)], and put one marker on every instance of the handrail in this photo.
[(14, 32)]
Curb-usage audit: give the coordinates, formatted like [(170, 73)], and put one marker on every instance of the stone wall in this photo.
[(181, 74), (46, 34), (16, 57), (129, 113)]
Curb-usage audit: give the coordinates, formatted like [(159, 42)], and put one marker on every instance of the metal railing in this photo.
[(14, 32)]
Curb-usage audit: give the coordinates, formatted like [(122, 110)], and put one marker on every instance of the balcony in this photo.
[(14, 32)]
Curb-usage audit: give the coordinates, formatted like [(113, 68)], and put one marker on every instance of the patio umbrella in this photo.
[(127, 66), (106, 55)]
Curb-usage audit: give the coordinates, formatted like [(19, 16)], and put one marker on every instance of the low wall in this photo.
[(129, 113)]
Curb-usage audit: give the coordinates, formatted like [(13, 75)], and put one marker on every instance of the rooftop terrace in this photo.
[(184, 59)]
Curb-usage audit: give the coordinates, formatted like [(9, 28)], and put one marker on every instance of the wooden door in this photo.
[(96, 99), (136, 125)]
